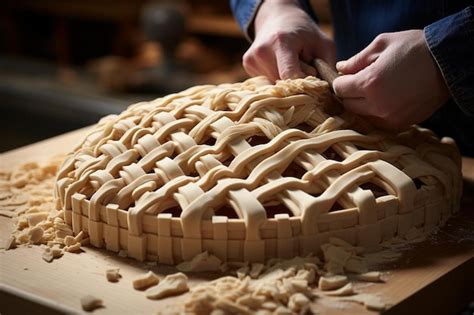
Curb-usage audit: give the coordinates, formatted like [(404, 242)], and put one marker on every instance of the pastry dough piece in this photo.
[(171, 285), (332, 282), (200, 263), (51, 253), (113, 274), (343, 291), (89, 303), (371, 276), (252, 171), (145, 281)]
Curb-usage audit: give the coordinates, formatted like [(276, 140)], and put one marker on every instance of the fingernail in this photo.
[(340, 64)]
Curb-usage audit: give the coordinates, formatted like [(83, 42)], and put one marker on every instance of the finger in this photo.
[(307, 69), (325, 51), (260, 62), (358, 105), (251, 70), (362, 59), (348, 86), (268, 68), (328, 54), (288, 63)]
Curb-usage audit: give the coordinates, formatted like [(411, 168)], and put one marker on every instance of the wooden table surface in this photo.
[(433, 277)]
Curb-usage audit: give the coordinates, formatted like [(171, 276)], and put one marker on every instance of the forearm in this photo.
[(451, 43)]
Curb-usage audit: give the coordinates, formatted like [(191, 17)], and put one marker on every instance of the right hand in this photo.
[(285, 38)]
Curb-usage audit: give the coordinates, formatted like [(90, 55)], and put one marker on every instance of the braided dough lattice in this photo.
[(250, 171)]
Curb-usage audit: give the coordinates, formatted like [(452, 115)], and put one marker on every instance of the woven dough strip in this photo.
[(251, 171)]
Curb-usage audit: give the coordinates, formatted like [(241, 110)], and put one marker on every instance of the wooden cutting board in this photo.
[(433, 277)]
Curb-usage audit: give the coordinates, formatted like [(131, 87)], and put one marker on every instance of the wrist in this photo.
[(443, 89), (271, 8)]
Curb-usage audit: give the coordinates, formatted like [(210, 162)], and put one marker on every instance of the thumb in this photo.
[(361, 60)]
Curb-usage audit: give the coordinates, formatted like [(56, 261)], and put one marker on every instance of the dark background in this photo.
[(65, 64)]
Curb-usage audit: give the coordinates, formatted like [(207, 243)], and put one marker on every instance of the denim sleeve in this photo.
[(245, 11), (451, 42)]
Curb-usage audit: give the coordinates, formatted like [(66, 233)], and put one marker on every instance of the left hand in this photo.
[(395, 81)]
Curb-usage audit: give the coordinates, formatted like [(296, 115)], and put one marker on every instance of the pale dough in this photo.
[(252, 171), (89, 303)]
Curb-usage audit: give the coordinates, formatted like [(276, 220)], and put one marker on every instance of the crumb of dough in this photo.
[(11, 243), (327, 283), (174, 284), (346, 290), (90, 303), (200, 262), (51, 253), (113, 274), (298, 302), (371, 276), (242, 272), (145, 281), (69, 240), (36, 234), (255, 270), (75, 248), (34, 218)]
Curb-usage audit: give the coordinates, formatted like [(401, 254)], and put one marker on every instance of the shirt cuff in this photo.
[(451, 43), (245, 12)]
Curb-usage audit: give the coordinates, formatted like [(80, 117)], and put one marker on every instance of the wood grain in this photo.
[(435, 277)]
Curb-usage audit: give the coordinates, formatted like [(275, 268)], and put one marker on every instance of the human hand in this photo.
[(395, 81), (285, 39)]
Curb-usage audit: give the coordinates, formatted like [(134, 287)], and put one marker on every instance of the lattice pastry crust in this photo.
[(250, 171)]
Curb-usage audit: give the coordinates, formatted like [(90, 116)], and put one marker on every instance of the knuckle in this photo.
[(286, 74), (372, 83), (395, 123), (279, 38), (380, 40), (385, 113), (261, 51), (247, 60), (381, 37)]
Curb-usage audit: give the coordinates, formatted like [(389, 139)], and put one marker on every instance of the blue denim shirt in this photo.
[(449, 32)]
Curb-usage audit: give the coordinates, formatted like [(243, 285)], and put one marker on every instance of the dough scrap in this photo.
[(332, 282), (174, 284), (346, 290), (371, 276), (26, 194), (298, 302), (36, 234), (145, 281), (113, 274), (200, 263), (51, 253), (282, 285), (341, 257), (90, 303)]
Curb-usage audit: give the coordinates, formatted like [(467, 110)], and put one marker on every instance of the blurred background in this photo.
[(65, 64)]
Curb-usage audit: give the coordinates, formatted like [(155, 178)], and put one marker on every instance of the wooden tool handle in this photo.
[(328, 73), (325, 71)]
